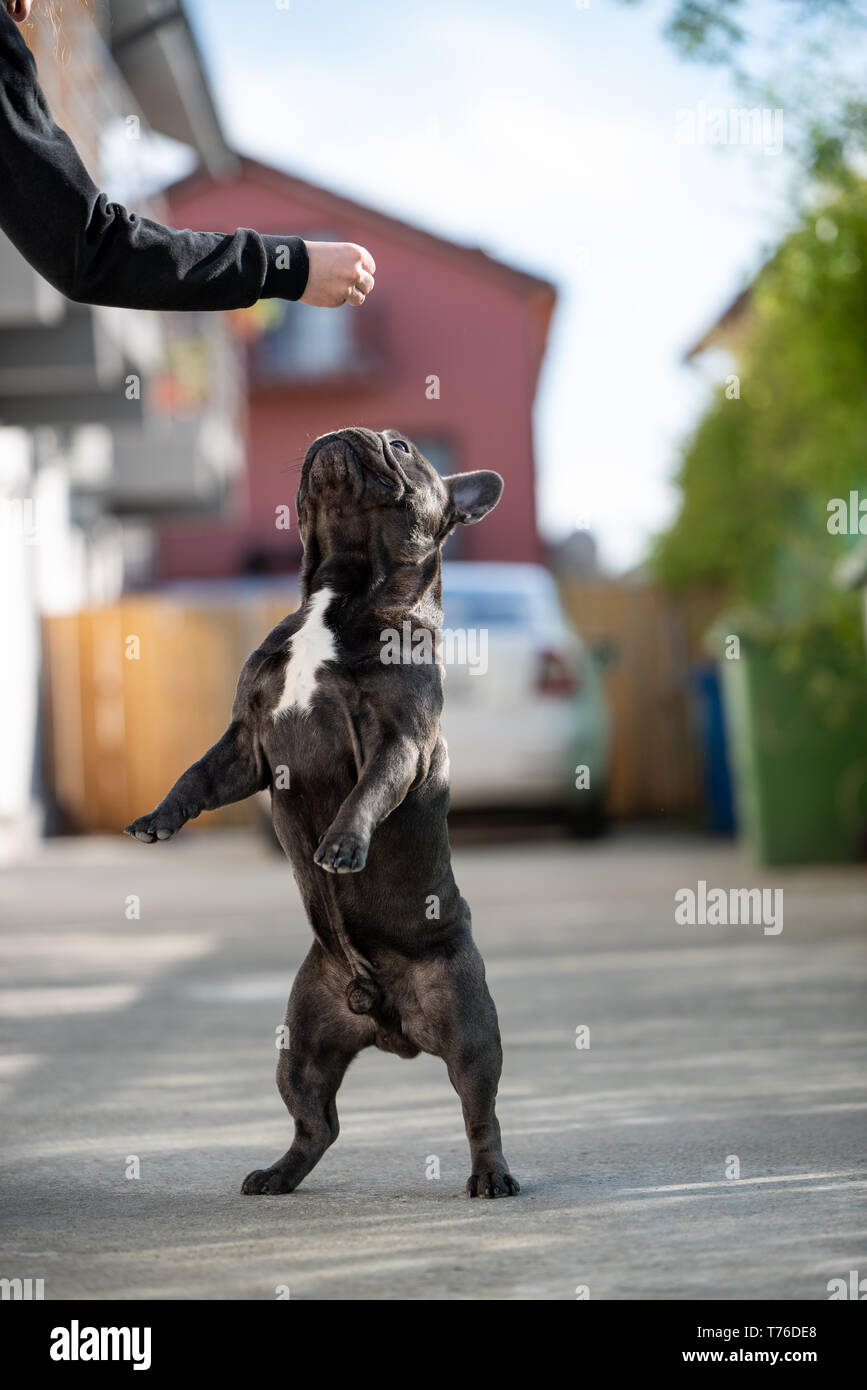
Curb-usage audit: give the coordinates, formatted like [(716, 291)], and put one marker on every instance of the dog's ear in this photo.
[(474, 494)]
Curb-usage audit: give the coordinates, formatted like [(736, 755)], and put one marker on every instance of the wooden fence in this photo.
[(136, 691), (650, 643)]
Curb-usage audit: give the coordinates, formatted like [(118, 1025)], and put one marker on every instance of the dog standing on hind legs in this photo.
[(362, 812)]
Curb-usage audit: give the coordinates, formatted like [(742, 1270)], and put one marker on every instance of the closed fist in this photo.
[(340, 273)]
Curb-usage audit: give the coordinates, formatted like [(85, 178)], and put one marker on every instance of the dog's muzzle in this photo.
[(347, 457)]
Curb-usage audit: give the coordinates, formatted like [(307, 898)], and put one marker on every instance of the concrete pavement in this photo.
[(148, 1044)]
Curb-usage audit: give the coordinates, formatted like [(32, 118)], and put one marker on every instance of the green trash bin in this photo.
[(852, 574), (799, 761)]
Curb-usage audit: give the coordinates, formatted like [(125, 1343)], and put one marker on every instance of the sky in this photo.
[(551, 134)]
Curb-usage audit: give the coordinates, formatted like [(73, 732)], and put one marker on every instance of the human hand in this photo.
[(340, 273)]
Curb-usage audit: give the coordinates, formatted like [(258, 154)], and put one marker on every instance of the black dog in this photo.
[(350, 748)]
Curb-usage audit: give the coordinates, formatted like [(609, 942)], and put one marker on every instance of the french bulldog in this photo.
[(349, 746)]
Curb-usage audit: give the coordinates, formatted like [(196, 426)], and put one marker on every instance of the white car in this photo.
[(525, 718)]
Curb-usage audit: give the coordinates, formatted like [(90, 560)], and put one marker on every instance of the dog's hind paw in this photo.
[(341, 852), (265, 1182), (492, 1185)]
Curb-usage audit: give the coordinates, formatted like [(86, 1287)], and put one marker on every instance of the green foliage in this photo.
[(759, 471), (709, 32), (800, 55)]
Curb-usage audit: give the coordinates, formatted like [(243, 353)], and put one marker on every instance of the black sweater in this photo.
[(95, 251)]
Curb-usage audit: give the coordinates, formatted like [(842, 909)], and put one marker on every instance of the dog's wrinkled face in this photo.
[(359, 486)]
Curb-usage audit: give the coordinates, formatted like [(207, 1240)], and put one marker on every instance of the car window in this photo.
[(466, 608)]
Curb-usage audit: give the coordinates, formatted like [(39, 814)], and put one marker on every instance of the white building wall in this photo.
[(20, 818)]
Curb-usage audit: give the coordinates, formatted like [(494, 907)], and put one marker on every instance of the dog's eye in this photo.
[(399, 444)]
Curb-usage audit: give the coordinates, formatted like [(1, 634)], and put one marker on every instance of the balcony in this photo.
[(74, 369), (145, 406), (294, 345), (181, 454), (25, 298)]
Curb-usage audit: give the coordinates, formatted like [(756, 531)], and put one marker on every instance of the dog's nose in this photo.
[(377, 457), (322, 440)]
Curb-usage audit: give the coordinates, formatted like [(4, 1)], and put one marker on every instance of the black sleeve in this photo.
[(97, 252)]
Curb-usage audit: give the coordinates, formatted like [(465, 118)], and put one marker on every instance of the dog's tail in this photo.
[(363, 995)]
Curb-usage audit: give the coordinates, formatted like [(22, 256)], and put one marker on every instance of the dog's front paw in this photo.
[(160, 824), (496, 1184), (341, 852)]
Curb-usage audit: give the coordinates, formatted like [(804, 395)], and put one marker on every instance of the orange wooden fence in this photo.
[(651, 642), (137, 690)]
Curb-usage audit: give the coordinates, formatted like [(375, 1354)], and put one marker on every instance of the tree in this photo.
[(804, 56), (760, 471)]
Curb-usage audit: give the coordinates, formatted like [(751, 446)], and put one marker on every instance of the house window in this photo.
[(440, 453), (304, 342)]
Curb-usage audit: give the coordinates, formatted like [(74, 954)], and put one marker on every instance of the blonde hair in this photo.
[(46, 22)]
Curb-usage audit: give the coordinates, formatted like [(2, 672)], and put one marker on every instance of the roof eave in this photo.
[(159, 58), (521, 280)]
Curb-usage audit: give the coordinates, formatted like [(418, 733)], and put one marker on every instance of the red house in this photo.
[(447, 350)]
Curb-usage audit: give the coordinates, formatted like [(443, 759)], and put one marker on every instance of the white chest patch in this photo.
[(312, 644)]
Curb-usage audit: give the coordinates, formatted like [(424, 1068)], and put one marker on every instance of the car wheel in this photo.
[(587, 821)]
